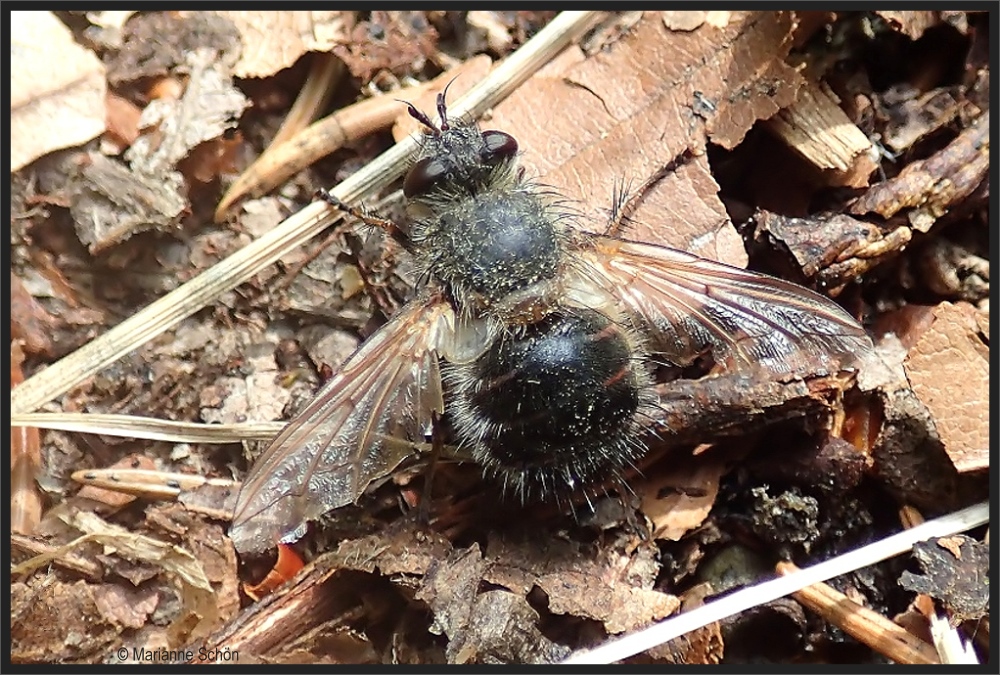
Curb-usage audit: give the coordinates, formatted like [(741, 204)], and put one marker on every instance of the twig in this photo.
[(744, 599)]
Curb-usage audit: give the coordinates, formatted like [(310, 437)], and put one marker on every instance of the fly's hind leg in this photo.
[(625, 201)]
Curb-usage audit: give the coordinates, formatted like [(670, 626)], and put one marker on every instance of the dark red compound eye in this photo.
[(423, 176), (497, 146)]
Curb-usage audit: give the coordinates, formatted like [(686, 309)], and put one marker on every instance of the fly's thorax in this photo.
[(499, 251)]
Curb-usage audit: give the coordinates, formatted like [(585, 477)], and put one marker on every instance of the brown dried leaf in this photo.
[(57, 88), (956, 570), (679, 500), (274, 40), (649, 101), (948, 367), (927, 189)]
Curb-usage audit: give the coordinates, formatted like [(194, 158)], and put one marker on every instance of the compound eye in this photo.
[(498, 146), (423, 176)]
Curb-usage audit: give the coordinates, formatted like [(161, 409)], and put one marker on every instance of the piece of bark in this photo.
[(911, 463), (956, 571), (712, 408), (831, 250), (948, 369), (927, 189), (910, 23)]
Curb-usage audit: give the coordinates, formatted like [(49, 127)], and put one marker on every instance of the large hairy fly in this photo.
[(530, 336)]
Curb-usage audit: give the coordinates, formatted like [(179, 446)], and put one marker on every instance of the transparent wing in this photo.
[(691, 305), (358, 428)]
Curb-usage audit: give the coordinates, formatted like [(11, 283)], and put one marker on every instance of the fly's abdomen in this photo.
[(554, 404)]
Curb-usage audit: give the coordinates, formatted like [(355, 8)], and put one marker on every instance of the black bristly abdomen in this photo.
[(553, 405)]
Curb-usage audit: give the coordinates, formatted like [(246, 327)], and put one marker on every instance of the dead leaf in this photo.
[(274, 40), (642, 105), (57, 88), (679, 500)]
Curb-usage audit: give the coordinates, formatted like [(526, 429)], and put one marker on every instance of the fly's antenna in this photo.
[(442, 106), (421, 117)]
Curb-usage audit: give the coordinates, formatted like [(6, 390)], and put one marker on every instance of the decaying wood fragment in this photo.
[(817, 128)]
